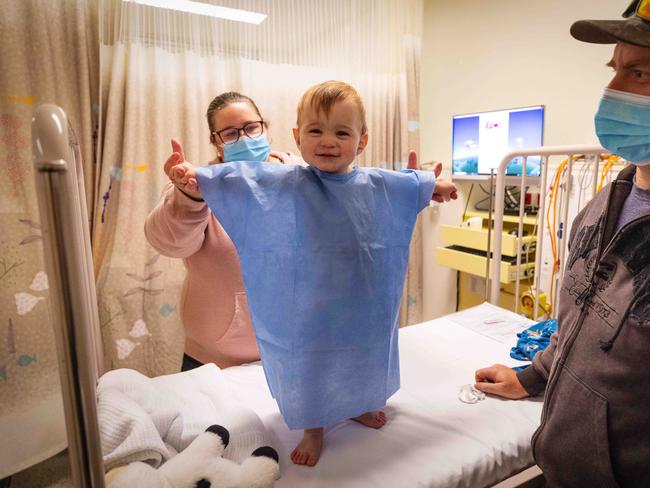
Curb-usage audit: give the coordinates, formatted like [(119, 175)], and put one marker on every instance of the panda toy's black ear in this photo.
[(203, 483), (221, 432), (267, 451)]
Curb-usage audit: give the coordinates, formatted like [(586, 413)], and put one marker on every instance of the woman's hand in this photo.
[(181, 173), (286, 157), (176, 157), (184, 178), (445, 190)]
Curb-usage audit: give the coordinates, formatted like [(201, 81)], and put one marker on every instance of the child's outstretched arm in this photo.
[(445, 190)]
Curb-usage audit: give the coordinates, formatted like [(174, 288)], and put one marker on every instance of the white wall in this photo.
[(483, 55)]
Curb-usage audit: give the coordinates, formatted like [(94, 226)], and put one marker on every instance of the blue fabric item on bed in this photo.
[(535, 338), (323, 258)]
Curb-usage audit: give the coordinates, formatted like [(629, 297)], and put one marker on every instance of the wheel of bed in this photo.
[(200, 465)]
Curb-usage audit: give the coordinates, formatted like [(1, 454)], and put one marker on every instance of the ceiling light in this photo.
[(205, 9)]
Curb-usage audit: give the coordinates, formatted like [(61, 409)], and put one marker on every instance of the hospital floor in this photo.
[(55, 473), (51, 473)]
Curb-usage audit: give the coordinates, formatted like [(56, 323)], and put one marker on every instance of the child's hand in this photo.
[(445, 191)]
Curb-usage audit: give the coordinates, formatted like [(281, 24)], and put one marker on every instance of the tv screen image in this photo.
[(480, 140)]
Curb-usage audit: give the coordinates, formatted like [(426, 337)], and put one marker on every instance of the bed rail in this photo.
[(545, 152), (73, 302)]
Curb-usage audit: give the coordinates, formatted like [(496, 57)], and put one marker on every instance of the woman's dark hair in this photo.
[(225, 99)]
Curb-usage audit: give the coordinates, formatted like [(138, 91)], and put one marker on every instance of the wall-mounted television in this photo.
[(480, 141)]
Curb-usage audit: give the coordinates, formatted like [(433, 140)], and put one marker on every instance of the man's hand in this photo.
[(500, 380)]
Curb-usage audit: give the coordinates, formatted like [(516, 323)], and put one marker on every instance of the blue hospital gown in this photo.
[(324, 259)]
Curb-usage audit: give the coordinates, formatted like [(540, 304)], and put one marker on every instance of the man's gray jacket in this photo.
[(595, 426)]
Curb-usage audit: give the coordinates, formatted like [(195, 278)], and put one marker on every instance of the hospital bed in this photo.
[(431, 438)]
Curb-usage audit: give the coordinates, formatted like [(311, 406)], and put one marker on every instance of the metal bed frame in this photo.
[(571, 152), (73, 298)]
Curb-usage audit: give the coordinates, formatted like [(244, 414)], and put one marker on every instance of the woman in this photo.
[(214, 312)]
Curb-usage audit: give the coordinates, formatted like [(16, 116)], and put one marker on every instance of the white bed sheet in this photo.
[(431, 438)]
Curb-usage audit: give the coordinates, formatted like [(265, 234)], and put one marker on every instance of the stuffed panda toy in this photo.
[(200, 465)]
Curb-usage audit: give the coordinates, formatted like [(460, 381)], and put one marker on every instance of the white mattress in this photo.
[(431, 438)]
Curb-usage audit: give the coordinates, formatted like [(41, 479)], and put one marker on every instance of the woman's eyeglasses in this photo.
[(231, 134)]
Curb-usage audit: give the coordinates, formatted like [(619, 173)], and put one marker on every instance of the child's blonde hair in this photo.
[(324, 95)]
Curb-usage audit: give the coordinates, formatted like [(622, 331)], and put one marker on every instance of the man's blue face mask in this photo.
[(623, 125), (247, 149)]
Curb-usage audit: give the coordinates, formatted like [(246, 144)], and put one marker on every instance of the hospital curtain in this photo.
[(159, 71), (412, 306), (48, 54)]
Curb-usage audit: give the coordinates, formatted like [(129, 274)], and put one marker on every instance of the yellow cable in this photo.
[(553, 193), (553, 190), (609, 163)]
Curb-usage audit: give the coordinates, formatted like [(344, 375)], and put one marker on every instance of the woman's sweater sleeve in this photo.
[(176, 226)]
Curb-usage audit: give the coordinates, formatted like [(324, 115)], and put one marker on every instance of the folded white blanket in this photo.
[(152, 419)]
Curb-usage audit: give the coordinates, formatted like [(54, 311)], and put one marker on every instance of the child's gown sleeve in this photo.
[(324, 259)]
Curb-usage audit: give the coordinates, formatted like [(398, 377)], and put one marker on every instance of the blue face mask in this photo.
[(247, 149), (623, 125)]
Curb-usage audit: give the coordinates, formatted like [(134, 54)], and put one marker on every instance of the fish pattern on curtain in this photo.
[(159, 71), (36, 39)]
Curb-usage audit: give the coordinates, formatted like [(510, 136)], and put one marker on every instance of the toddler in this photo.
[(336, 237)]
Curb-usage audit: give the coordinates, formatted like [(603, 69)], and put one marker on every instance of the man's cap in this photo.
[(633, 30)]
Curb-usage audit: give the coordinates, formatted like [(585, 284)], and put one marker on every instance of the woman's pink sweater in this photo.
[(214, 308)]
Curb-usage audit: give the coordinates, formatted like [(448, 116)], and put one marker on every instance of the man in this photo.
[(595, 426)]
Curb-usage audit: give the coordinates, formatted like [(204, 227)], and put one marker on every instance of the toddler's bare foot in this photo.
[(375, 420), (308, 449)]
